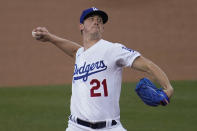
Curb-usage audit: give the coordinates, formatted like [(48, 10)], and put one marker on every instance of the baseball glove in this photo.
[(150, 94)]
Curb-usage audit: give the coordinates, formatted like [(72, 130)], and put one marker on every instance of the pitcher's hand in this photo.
[(42, 34)]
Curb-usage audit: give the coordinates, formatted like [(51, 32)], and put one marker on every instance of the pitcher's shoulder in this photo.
[(79, 51)]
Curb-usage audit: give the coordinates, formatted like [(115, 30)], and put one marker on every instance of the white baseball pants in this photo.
[(72, 126)]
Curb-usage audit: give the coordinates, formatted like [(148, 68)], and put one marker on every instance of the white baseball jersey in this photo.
[(97, 78)]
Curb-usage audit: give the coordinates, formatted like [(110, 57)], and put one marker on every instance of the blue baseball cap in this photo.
[(91, 11)]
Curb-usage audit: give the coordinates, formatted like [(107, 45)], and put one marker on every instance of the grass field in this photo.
[(46, 108)]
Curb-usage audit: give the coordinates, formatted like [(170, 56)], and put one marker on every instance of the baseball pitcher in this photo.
[(97, 77)]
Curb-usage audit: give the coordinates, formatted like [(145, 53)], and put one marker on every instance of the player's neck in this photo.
[(89, 41)]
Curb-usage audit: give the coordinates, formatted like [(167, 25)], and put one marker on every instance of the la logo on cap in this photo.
[(94, 8)]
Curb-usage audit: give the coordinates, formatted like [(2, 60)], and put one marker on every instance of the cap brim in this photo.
[(103, 15)]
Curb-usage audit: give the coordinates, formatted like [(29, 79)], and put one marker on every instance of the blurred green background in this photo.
[(46, 108)]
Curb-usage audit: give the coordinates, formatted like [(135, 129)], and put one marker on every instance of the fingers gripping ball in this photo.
[(35, 35), (150, 94)]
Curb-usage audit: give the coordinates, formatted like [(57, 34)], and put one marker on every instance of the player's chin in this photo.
[(97, 33), (94, 32)]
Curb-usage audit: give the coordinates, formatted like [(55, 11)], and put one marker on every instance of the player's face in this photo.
[(93, 25)]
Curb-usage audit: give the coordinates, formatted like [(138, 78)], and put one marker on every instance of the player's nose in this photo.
[(96, 21)]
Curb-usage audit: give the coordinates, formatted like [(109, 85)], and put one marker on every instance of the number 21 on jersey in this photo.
[(97, 84)]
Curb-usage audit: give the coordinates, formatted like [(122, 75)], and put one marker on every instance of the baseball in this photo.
[(34, 35)]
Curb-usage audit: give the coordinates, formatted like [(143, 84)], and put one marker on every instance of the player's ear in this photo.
[(81, 26)]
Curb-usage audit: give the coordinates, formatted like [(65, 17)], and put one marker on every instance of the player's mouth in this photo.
[(95, 27)]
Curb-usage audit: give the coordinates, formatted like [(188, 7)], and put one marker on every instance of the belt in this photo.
[(95, 125)]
